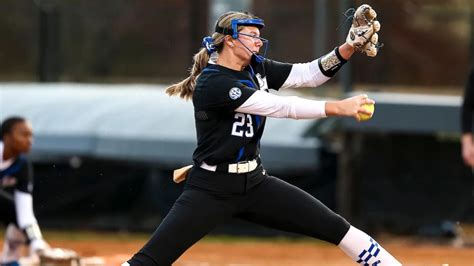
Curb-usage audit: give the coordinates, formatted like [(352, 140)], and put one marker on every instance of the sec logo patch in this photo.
[(235, 93)]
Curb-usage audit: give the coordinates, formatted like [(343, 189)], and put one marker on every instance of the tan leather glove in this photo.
[(363, 32), (59, 256)]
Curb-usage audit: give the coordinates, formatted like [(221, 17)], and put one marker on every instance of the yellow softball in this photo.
[(368, 107)]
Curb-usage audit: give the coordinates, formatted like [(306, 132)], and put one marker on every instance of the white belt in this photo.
[(235, 168)]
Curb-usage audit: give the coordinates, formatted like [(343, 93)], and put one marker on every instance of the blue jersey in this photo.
[(17, 175)]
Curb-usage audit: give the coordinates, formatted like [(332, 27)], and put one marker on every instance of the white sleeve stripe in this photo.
[(24, 209), (305, 75), (266, 104)]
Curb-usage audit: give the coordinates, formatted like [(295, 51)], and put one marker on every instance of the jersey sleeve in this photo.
[(221, 92), (276, 73)]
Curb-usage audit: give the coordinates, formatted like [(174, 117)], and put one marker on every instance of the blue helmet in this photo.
[(233, 31)]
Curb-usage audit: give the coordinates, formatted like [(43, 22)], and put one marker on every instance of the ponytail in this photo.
[(212, 46), (185, 88)]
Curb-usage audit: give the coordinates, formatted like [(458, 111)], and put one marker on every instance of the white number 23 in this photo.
[(239, 127)]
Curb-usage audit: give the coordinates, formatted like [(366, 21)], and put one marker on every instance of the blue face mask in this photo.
[(258, 57), (233, 31)]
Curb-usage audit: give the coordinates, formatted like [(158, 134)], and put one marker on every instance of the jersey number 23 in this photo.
[(242, 125)]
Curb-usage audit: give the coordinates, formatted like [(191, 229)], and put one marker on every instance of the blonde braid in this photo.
[(185, 88)]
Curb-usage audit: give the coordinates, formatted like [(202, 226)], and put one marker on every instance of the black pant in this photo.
[(262, 199)]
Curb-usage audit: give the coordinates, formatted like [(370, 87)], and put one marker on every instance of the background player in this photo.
[(231, 103), (16, 186)]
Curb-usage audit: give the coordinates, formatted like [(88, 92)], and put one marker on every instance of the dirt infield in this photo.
[(117, 248), (216, 252)]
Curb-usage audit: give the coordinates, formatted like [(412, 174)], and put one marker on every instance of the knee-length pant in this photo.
[(269, 201)]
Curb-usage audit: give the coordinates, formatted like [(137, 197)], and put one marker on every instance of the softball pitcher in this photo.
[(229, 86)]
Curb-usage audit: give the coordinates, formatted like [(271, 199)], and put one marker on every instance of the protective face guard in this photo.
[(258, 58), (235, 23), (233, 31)]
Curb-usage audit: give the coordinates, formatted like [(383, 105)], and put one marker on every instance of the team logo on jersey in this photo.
[(235, 93)]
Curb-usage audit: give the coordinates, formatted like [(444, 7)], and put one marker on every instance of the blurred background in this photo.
[(90, 76)]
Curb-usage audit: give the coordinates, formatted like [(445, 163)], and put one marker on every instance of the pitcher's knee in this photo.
[(335, 230)]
